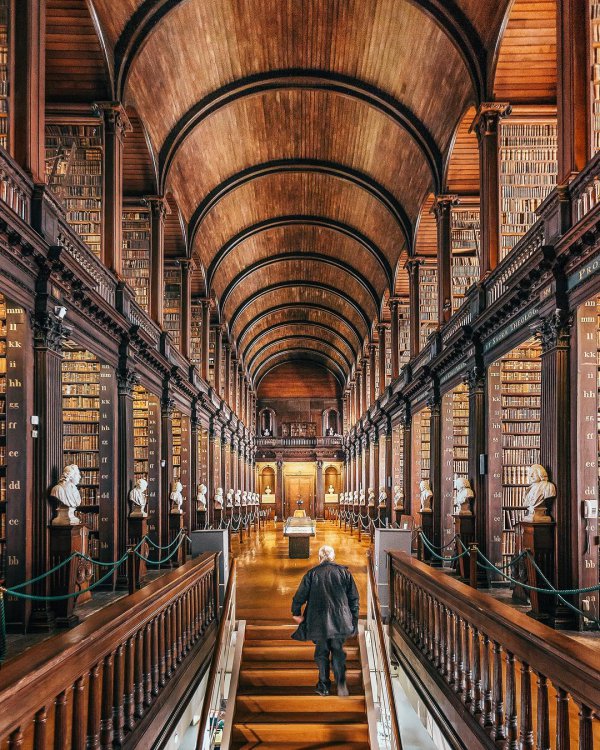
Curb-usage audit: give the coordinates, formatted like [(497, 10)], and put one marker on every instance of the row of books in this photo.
[(81, 428), (81, 442)]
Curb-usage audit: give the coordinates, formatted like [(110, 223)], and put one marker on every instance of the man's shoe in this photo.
[(322, 689), (342, 690)]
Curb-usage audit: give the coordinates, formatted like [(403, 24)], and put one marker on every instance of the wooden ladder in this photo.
[(276, 705)]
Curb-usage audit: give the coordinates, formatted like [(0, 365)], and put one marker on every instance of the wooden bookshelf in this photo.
[(176, 434), (5, 62), (397, 459), (74, 166), (172, 304), (136, 253), (141, 433), (464, 237), (528, 171), (403, 334), (146, 451), (428, 302), (594, 67), (520, 391), (420, 457), (212, 344), (196, 336), (3, 446)]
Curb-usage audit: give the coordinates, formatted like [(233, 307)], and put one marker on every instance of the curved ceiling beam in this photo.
[(297, 79), (280, 166), (297, 337), (290, 355), (295, 285), (293, 322), (447, 15), (316, 257), (304, 306), (285, 221)]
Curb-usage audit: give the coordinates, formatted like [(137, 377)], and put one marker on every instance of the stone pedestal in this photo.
[(138, 530), (464, 528), (397, 515), (73, 577), (175, 528), (538, 538), (427, 528)]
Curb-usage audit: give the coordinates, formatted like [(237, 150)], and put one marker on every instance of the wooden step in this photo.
[(293, 704), (279, 633), (307, 745), (288, 652), (309, 689), (258, 676), (307, 732)]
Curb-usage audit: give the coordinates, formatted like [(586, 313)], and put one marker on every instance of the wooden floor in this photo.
[(268, 579)]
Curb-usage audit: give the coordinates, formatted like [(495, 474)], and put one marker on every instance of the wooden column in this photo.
[(406, 474), (443, 215), (374, 463), (227, 394), (381, 332), (234, 383), (555, 449), (166, 462), (194, 464), (213, 478), (218, 356), (279, 489), (320, 498), (48, 335), (477, 384), (572, 87), (205, 337), (435, 471), (158, 210), (487, 126), (394, 338), (126, 380), (29, 93), (385, 438), (187, 266), (364, 464), (372, 364), (412, 267), (365, 386), (116, 125)]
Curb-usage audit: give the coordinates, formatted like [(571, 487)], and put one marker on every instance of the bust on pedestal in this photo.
[(237, 498), (201, 500), (464, 520), (371, 497), (176, 514), (68, 497), (137, 499), (229, 503), (138, 524), (426, 512), (219, 499)]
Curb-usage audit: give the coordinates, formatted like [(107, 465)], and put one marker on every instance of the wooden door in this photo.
[(299, 487)]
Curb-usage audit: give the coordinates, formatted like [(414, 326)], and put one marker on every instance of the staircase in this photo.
[(276, 704)]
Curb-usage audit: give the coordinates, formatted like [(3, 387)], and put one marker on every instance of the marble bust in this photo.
[(244, 499), (398, 498), (68, 497), (463, 500), (355, 497), (382, 499), (201, 497), (267, 490), (137, 498), (331, 490), (176, 498), (362, 498), (537, 498), (219, 498), (426, 496), (371, 497), (237, 498), (229, 503)]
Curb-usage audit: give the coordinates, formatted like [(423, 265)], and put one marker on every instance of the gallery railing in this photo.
[(486, 656), (299, 442), (92, 686), (16, 188)]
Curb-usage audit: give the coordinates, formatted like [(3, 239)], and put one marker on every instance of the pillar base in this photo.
[(538, 538), (464, 528), (71, 578)]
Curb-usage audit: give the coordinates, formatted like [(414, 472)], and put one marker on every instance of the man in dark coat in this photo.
[(330, 616)]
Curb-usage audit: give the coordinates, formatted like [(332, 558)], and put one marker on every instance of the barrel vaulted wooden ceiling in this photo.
[(299, 140)]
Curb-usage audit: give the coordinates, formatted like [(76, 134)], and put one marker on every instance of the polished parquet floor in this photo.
[(268, 579)]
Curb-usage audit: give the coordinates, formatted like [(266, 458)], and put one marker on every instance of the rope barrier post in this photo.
[(132, 570), (2, 629), (359, 526), (473, 554), (420, 553), (184, 546)]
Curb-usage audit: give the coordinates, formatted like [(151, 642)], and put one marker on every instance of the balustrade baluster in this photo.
[(148, 664), (184, 624), (526, 722), (15, 741), (60, 721), (543, 714), (436, 633), (118, 696), (586, 735), (194, 595), (188, 619), (498, 732), (179, 630), (467, 674), (40, 725), (563, 740), (430, 627), (155, 655), (173, 637), (106, 716), (459, 664), (128, 685), (202, 620), (77, 719), (477, 705), (162, 649), (487, 716), (443, 640), (94, 701), (139, 674), (168, 643), (512, 725), (452, 648)]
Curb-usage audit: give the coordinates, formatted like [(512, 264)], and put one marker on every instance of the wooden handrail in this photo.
[(131, 648), (473, 641), (397, 740), (214, 664)]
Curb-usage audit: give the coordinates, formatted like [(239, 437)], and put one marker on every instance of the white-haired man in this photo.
[(330, 616)]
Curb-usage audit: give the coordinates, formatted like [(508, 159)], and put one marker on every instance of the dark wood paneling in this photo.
[(298, 380)]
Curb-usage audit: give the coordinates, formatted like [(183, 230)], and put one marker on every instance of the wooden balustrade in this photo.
[(94, 686), (499, 677), (16, 188)]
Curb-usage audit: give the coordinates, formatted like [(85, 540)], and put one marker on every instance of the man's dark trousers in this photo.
[(324, 650)]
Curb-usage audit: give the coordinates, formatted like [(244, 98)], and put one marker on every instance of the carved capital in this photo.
[(49, 332), (488, 117), (114, 117), (442, 205), (127, 379), (554, 330), (158, 205), (412, 266), (475, 378), (167, 405)]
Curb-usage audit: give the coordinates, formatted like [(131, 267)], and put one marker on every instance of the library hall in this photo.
[(299, 374)]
